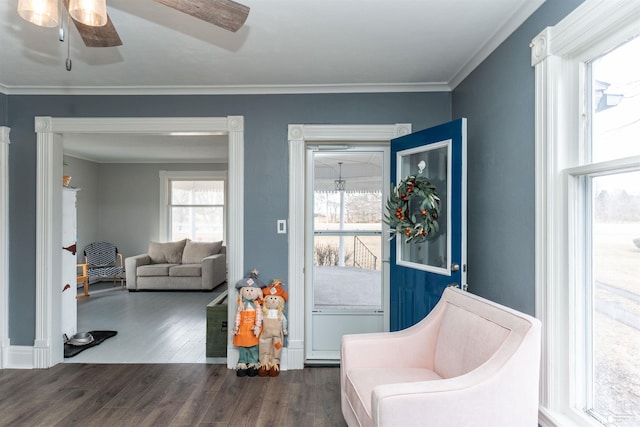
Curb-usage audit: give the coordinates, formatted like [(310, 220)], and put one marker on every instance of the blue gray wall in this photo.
[(3, 109), (266, 163), (498, 101)]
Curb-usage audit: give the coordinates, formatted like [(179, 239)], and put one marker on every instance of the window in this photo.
[(588, 215), (611, 215), (193, 206)]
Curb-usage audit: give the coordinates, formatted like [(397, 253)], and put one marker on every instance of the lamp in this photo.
[(89, 12), (340, 183), (43, 13)]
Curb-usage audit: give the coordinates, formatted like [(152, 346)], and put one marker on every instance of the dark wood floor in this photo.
[(167, 395)]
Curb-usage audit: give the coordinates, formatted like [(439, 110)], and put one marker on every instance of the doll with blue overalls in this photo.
[(248, 324)]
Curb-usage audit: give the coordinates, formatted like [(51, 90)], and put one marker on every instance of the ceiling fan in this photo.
[(99, 31)]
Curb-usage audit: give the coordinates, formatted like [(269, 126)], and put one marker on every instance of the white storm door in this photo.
[(346, 287)]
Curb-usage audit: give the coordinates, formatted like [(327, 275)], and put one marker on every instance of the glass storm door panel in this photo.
[(421, 270), (346, 281)]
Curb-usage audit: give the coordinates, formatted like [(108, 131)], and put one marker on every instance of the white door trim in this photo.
[(48, 345), (299, 136), (4, 247)]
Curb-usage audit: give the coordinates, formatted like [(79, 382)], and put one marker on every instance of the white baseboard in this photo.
[(19, 357)]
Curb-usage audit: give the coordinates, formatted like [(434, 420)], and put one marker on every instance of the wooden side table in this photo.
[(82, 278)]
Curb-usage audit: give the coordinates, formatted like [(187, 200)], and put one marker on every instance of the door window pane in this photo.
[(432, 254), (347, 245)]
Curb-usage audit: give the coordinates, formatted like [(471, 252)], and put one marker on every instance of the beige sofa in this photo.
[(181, 265)]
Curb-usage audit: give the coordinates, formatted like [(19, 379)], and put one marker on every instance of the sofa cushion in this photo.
[(154, 270), (186, 270), (169, 252), (194, 252), (360, 383)]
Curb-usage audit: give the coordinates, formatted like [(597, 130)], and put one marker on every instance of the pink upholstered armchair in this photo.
[(470, 362)]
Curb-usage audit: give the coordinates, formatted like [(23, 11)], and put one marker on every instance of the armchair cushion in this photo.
[(466, 340), (169, 252), (361, 382), (195, 252)]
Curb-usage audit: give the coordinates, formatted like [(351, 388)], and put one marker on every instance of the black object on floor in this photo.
[(71, 350)]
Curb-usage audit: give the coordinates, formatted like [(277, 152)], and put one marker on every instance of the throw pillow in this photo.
[(194, 252), (170, 252)]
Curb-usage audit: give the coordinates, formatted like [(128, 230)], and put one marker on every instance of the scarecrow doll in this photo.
[(274, 327), (248, 324)]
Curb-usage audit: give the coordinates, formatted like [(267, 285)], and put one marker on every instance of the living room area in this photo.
[(127, 197)]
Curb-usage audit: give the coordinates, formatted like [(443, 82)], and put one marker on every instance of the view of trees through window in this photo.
[(362, 211), (615, 241), (197, 209)]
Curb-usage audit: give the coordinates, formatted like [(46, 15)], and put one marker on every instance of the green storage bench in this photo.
[(217, 326)]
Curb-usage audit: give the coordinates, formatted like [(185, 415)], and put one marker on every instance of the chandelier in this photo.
[(340, 183)]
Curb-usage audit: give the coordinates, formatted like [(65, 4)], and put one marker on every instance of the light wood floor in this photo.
[(153, 327), (167, 395)]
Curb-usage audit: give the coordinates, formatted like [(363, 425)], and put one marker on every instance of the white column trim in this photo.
[(4, 246), (299, 135), (47, 253), (235, 224), (47, 349)]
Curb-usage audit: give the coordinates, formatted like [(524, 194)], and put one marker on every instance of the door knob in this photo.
[(455, 267)]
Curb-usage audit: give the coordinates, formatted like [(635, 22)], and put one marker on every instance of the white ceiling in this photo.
[(285, 46), (130, 148)]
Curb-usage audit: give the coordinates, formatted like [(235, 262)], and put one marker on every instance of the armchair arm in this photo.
[(413, 346), (131, 267), (214, 270)]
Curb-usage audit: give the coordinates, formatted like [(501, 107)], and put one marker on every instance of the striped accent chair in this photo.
[(104, 262)]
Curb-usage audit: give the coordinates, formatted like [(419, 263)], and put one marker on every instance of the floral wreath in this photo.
[(413, 209)]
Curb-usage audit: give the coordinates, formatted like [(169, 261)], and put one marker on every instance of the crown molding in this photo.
[(227, 90)]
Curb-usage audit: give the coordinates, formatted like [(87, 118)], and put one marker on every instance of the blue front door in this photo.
[(421, 270)]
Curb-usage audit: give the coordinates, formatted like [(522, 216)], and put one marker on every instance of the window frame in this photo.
[(559, 55), (165, 190)]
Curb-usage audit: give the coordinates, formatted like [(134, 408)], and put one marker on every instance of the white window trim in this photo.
[(559, 54), (166, 176)]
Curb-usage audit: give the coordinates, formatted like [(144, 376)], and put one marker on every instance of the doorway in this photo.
[(300, 137), (48, 349), (346, 282)]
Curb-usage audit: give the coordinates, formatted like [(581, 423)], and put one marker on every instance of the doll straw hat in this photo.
[(250, 281), (276, 288)]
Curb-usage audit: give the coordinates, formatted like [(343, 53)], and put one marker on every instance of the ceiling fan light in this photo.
[(89, 12), (43, 13)]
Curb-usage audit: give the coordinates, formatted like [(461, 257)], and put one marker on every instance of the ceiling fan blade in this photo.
[(225, 14), (105, 36)]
